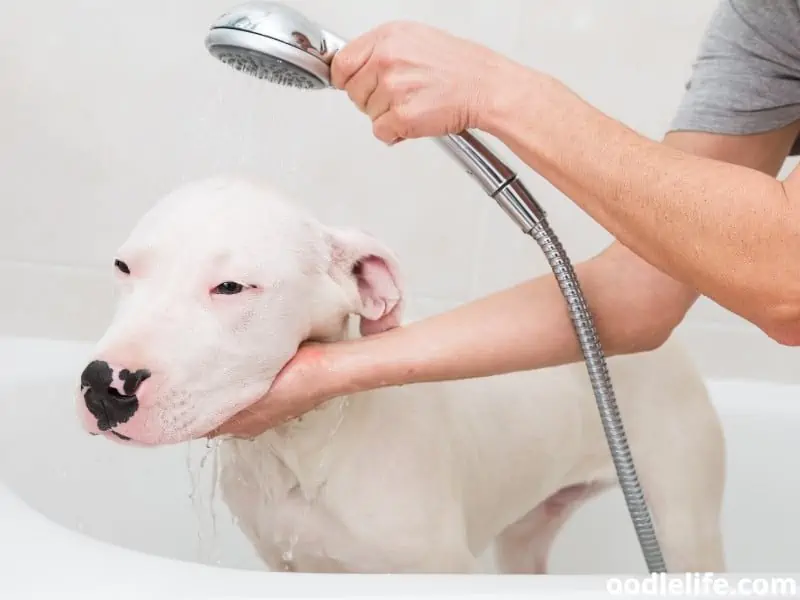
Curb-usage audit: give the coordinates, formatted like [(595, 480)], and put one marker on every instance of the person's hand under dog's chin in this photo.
[(313, 376)]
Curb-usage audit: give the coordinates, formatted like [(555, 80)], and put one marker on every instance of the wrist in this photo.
[(516, 94), (348, 368), (368, 363)]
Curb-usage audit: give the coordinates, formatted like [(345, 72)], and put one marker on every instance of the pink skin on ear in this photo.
[(380, 289), (381, 299)]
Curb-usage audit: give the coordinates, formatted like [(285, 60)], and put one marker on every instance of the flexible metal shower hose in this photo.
[(604, 393), (503, 185)]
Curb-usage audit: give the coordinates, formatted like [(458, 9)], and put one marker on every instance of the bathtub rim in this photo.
[(31, 541), (121, 575)]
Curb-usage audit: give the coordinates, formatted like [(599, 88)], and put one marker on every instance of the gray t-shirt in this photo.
[(746, 78)]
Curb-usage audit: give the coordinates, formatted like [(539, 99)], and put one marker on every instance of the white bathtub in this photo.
[(84, 516)]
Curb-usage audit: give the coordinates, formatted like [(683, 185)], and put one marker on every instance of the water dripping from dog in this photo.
[(288, 554), (203, 471)]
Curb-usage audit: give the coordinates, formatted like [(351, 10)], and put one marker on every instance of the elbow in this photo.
[(651, 326), (661, 311), (651, 337), (654, 340), (647, 305), (781, 322)]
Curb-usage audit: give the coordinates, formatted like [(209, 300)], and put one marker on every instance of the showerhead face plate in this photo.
[(266, 67)]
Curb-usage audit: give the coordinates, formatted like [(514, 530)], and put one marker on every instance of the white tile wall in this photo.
[(106, 105)]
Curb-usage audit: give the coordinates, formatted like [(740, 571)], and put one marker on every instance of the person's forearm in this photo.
[(726, 230), (525, 327)]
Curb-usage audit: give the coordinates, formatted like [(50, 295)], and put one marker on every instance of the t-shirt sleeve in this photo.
[(746, 77)]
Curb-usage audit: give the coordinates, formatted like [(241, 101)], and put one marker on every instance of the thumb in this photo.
[(231, 426), (223, 429)]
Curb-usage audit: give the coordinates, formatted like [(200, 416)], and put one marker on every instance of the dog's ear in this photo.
[(372, 269)]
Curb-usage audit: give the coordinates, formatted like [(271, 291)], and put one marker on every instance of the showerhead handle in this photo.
[(495, 177)]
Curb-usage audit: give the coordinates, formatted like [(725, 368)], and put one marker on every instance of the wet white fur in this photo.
[(420, 478)]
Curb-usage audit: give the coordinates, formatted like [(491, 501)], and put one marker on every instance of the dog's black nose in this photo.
[(109, 404), (99, 376)]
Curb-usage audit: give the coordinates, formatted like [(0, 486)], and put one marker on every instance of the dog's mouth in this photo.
[(114, 433), (147, 433)]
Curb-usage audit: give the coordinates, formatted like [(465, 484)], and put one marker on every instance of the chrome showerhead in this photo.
[(276, 43)]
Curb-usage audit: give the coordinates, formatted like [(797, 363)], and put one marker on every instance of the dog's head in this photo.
[(219, 284)]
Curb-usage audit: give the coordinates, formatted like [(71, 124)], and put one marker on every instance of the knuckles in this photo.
[(398, 28), (398, 83), (391, 46), (396, 55), (406, 114)]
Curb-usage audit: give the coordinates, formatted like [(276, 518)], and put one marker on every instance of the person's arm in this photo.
[(722, 229), (729, 231), (635, 306)]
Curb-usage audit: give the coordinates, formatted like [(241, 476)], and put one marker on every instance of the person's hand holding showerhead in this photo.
[(415, 81)]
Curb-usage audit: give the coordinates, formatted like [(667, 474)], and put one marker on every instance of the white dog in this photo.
[(222, 281)]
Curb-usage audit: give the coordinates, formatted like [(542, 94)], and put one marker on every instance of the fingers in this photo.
[(379, 102), (351, 59), (250, 423), (373, 99), (226, 428), (386, 130), (356, 68), (240, 427), (362, 86)]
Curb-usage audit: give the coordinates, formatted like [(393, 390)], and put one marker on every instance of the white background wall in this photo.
[(106, 105)]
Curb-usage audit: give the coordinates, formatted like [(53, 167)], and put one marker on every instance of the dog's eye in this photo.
[(228, 288), (122, 267)]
